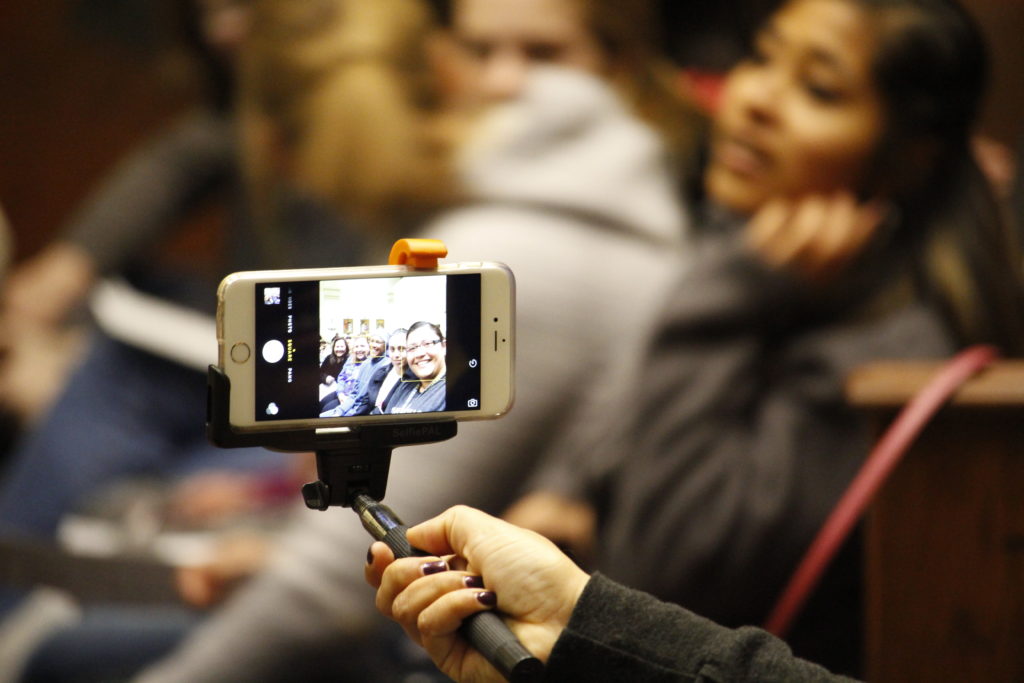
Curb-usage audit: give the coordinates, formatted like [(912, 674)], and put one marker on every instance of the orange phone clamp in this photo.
[(417, 253)]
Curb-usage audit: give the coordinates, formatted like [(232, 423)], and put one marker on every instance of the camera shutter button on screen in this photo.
[(240, 352)]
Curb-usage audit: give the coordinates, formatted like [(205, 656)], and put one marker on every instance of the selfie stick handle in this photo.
[(488, 634)]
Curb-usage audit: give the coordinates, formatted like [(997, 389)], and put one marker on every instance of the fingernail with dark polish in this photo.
[(434, 567), (487, 598), (369, 555), (474, 581)]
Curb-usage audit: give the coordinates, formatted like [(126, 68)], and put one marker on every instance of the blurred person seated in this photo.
[(150, 194), (846, 221), (566, 161), (134, 405)]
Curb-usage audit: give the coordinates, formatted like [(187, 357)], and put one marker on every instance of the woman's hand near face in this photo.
[(815, 236), (528, 579)]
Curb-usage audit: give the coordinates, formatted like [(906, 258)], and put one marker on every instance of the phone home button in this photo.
[(240, 352)]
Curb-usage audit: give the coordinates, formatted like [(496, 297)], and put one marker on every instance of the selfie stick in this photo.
[(352, 466), (357, 480)]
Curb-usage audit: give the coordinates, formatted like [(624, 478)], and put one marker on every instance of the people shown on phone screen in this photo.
[(378, 348), (422, 389), (386, 378), (334, 362), (350, 381), (357, 386)]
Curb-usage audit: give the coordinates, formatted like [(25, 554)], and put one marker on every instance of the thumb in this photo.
[(455, 531)]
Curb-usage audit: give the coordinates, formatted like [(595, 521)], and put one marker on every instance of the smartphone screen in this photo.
[(338, 348)]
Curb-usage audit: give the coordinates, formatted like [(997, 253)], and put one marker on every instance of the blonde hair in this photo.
[(643, 75), (336, 95)]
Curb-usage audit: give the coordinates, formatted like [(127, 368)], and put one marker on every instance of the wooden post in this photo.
[(944, 579)]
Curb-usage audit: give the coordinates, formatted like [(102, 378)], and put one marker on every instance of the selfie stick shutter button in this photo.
[(240, 352)]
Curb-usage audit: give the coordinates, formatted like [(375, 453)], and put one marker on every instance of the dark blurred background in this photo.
[(83, 80)]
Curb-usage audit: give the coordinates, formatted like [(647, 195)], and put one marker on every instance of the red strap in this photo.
[(886, 454)]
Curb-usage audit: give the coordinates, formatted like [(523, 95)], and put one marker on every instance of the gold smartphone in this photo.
[(277, 331)]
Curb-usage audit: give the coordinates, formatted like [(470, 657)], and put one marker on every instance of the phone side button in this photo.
[(240, 352)]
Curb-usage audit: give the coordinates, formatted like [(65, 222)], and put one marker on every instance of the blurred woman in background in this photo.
[(563, 175), (845, 221)]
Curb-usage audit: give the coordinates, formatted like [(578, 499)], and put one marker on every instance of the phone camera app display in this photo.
[(373, 346)]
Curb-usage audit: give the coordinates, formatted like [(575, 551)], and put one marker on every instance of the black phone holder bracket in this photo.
[(349, 461), (352, 469)]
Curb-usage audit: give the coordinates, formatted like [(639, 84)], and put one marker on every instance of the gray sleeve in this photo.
[(619, 634), (742, 440), (719, 288), (150, 191)]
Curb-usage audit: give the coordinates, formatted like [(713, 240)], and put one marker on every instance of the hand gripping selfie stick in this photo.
[(352, 468)]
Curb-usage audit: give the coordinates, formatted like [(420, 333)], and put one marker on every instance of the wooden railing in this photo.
[(944, 580)]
